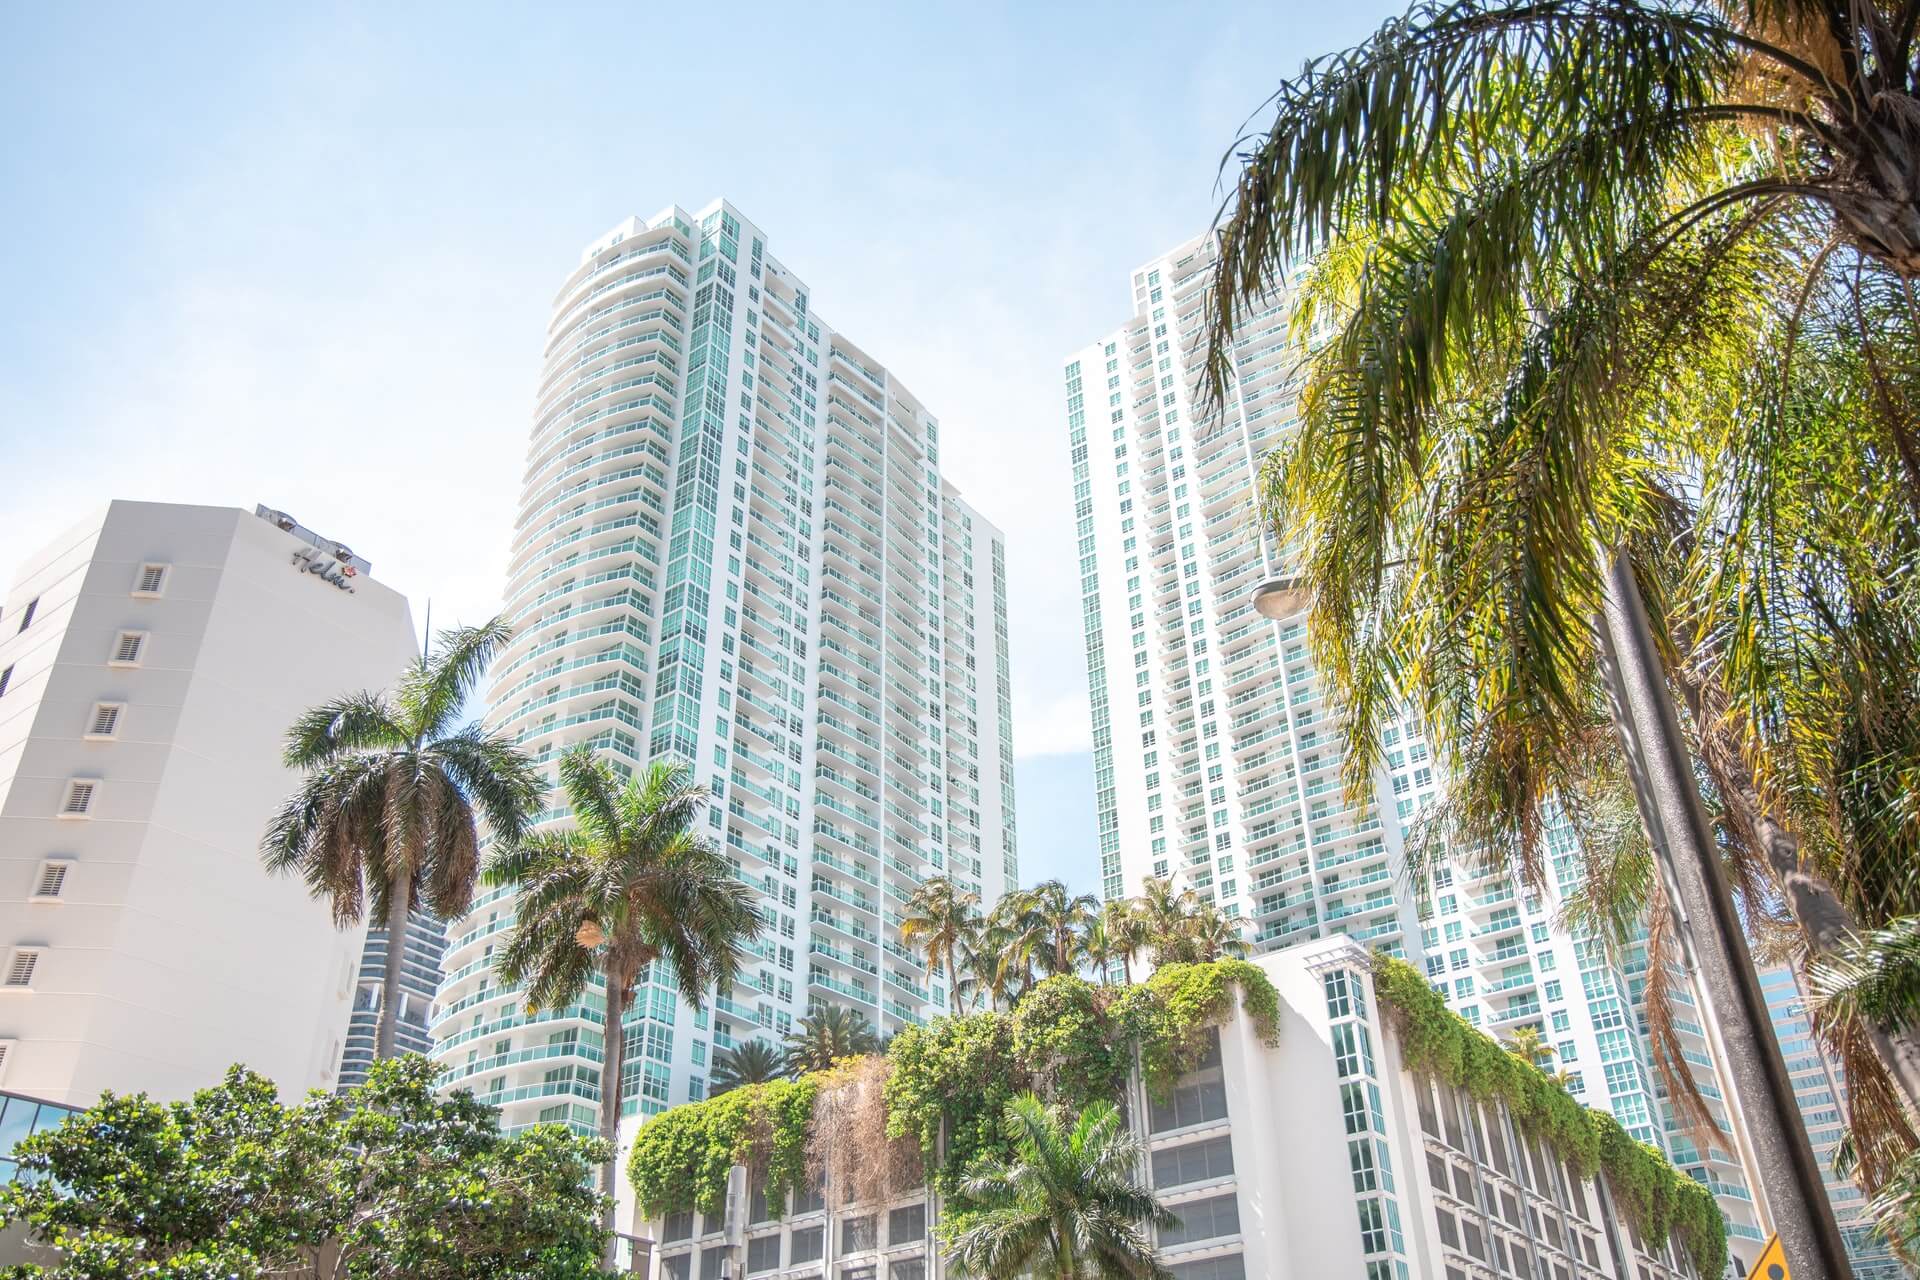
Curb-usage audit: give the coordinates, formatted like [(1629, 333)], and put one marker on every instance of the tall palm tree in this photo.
[(1068, 1204), (385, 817), (1164, 913), (1539, 319), (631, 882), (1063, 920), (1098, 949), (826, 1034), (1205, 936), (1128, 932), (751, 1062), (1019, 934), (941, 918)]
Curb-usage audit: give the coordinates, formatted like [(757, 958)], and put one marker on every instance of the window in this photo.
[(908, 1269), (1197, 1162), (857, 1235), (907, 1224), (26, 615), (807, 1245), (6, 678), (79, 799), (105, 722), (678, 1226), (52, 879), (127, 649), (1231, 1267), (151, 581), (20, 967), (1203, 1220), (763, 1254)]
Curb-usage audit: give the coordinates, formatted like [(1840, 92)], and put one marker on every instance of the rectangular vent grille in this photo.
[(79, 797), (20, 970)]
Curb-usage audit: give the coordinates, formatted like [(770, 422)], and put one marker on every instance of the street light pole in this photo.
[(1791, 1194)]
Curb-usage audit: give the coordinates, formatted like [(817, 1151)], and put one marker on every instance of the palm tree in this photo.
[(1529, 342), (1164, 913), (1068, 1204), (751, 1062), (631, 882), (1063, 921), (1018, 933), (1098, 949), (1206, 936), (1531, 1047), (828, 1033), (1127, 930), (941, 918), (385, 817)]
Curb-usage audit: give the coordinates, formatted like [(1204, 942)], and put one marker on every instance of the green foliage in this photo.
[(1065, 1041), (681, 1157), (232, 1184), (956, 1076), (1064, 1200), (1165, 1015), (1068, 1040), (1659, 1198)]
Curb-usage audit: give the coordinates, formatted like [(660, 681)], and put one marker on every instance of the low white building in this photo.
[(1320, 1156), (152, 658)]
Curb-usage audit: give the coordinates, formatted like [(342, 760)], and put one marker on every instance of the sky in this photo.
[(304, 255)]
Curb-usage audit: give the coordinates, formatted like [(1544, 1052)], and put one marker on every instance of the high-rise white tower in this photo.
[(735, 548), (1217, 756), (152, 659)]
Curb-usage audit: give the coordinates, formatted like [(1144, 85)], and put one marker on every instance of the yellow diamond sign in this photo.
[(1772, 1264)]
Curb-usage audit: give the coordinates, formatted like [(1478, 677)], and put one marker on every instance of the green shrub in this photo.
[(681, 1157)]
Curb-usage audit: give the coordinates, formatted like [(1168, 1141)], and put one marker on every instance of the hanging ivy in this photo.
[(948, 1084), (681, 1157), (1659, 1199)]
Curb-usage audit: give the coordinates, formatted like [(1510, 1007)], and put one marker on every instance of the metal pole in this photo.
[(1791, 1194)]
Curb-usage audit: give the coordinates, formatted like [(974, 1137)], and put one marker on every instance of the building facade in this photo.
[(1218, 758), (1318, 1157), (1820, 1090), (736, 550), (151, 661), (419, 984)]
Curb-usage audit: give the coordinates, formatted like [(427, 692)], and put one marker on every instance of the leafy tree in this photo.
[(386, 814), (1204, 936), (631, 882), (826, 1034), (1067, 1204), (752, 1062), (389, 1180), (1062, 921), (1599, 277), (941, 919)]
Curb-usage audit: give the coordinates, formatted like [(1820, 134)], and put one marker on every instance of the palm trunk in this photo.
[(399, 903), (614, 1037), (1126, 966)]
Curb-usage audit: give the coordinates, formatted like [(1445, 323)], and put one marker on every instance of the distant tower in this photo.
[(736, 549)]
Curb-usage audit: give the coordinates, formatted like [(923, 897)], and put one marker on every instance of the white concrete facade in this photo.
[(1320, 1157), (736, 549), (1218, 755), (154, 656)]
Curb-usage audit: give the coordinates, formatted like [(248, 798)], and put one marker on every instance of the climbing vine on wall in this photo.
[(1659, 1198), (947, 1085)]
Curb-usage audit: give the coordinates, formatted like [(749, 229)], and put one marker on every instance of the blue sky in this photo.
[(303, 255)]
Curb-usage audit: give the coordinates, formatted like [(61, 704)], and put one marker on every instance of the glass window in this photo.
[(1203, 1220)]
